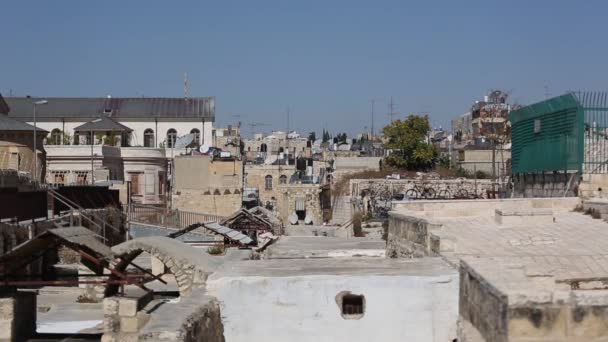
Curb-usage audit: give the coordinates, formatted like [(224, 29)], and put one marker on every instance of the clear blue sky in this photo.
[(324, 59)]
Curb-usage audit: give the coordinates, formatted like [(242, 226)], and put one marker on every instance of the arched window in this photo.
[(281, 150), (171, 137), (197, 136), (268, 182), (249, 148), (149, 137), (263, 148), (55, 137), (283, 179)]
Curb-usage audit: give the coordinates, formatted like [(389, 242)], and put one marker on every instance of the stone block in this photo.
[(158, 267), (133, 324), (127, 307), (527, 216), (110, 306), (7, 330), (7, 308), (108, 338), (111, 323)]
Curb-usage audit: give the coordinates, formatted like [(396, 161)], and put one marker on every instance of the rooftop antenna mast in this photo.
[(391, 109), (287, 137), (547, 94), (185, 86)]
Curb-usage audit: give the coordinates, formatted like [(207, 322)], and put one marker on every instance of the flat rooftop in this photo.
[(288, 247), (426, 267), (522, 257)]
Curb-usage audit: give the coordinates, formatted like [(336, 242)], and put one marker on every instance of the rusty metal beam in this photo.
[(112, 270), (154, 277), (60, 282)]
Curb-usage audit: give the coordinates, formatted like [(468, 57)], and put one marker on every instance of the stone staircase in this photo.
[(342, 210)]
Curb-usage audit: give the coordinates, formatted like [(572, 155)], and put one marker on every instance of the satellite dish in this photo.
[(184, 141), (308, 220), (293, 219), (204, 149)]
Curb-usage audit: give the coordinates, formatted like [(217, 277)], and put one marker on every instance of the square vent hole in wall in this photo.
[(352, 306)]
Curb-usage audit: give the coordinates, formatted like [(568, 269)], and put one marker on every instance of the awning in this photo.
[(300, 204)]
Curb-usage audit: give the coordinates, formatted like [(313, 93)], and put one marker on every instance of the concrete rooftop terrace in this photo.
[(324, 247), (544, 250)]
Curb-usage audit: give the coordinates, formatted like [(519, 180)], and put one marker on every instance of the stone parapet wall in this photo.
[(408, 236), (557, 314), (482, 305), (398, 186), (487, 207), (546, 185), (17, 316)]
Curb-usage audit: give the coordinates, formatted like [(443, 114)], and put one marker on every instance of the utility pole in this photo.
[(185, 86)]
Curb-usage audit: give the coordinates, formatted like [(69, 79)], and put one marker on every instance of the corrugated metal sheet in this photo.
[(4, 109), (229, 233), (568, 132), (79, 236), (8, 124), (123, 108)]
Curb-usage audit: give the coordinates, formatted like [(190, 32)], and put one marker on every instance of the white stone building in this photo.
[(154, 121)]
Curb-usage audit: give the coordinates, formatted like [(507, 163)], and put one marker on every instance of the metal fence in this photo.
[(565, 133), (167, 217)]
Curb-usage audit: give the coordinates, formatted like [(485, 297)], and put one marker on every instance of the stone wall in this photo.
[(409, 236), (483, 306), (17, 152), (551, 314), (557, 184), (123, 318), (255, 177), (195, 318), (305, 307), (17, 316), (477, 187), (223, 204), (290, 193)]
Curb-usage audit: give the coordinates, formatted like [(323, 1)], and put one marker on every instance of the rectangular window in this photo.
[(81, 177), (161, 183), (150, 183), (352, 305), (14, 161), (59, 178), (134, 178)]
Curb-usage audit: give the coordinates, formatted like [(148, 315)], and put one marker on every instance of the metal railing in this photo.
[(167, 217)]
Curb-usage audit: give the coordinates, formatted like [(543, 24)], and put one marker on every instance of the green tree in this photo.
[(326, 136), (408, 141)]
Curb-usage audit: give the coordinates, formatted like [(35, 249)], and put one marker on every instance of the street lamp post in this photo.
[(36, 103)]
